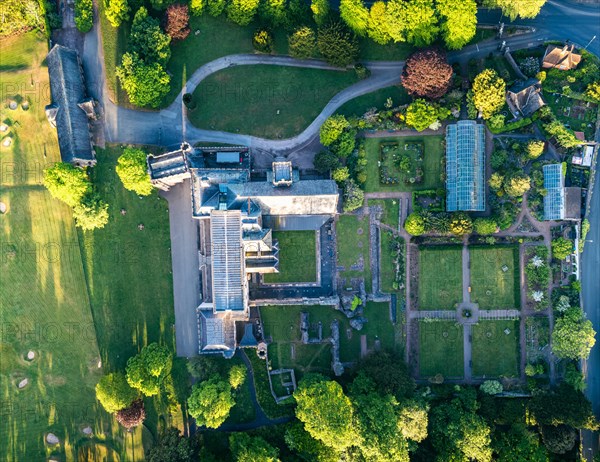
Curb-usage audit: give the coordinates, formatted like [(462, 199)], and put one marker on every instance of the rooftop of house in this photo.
[(65, 113), (561, 57), (525, 98)]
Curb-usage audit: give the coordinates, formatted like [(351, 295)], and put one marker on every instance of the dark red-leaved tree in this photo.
[(133, 415), (176, 21), (427, 74)]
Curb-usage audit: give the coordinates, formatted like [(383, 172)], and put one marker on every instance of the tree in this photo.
[(355, 15), (496, 181), (535, 148), (518, 445), (412, 21), (251, 449), (414, 224), (561, 248), (562, 406), (273, 12), (210, 402), (488, 92), (427, 74), (242, 12), (237, 376), (389, 373), (517, 8), (377, 28), (84, 15), (197, 7), (563, 136), (114, 393), (559, 439), (308, 448), (171, 446), (485, 226), (326, 412), (320, 11), (67, 183), (461, 224), (573, 335), (337, 44), (147, 370), (344, 145), (354, 197), (148, 40), (160, 4), (325, 161), (262, 41), (491, 387), (517, 184), (132, 416), (91, 213), (458, 22), (133, 171), (116, 11), (302, 43), (216, 7), (574, 378), (420, 114), (332, 128), (145, 84), (593, 91), (177, 19), (413, 420), (341, 174)]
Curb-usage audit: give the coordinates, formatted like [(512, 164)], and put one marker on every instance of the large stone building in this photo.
[(237, 241)]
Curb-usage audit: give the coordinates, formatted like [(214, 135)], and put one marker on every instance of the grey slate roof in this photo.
[(68, 90), (525, 98), (465, 166)]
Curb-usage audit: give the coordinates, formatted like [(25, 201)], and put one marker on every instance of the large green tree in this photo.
[(210, 402), (242, 12), (562, 406), (488, 92), (414, 224), (67, 183), (91, 213), (145, 84), (389, 373), (326, 412), (458, 21), (356, 15), (517, 8), (148, 40), (354, 196), (413, 420), (172, 447), (133, 171), (116, 11), (377, 27), (412, 21), (302, 43), (326, 161), (563, 136), (517, 184), (518, 444), (561, 248), (114, 393), (308, 448), (246, 448), (273, 12), (337, 44), (147, 370), (573, 336), (332, 128), (320, 11), (420, 114)]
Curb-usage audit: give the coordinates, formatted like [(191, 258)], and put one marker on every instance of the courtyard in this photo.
[(495, 277), (406, 163), (440, 277), (297, 257)]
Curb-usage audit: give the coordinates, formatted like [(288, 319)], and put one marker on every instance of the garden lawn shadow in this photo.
[(440, 277), (495, 352), (492, 287), (441, 349)]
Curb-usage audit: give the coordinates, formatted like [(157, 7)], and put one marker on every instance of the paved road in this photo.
[(186, 276)]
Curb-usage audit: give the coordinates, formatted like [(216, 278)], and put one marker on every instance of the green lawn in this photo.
[(44, 302), (297, 257), (371, 51), (358, 106), (391, 211), (440, 278), (493, 288), (441, 349), (495, 353), (266, 101), (432, 163), (353, 247)]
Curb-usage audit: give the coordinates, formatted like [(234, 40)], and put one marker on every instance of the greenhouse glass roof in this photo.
[(465, 166), (554, 200)]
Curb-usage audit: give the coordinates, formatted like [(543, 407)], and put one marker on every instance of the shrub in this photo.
[(354, 197), (67, 183), (242, 12), (262, 41), (302, 43), (177, 19), (488, 93), (332, 128), (114, 393), (414, 224), (337, 44), (84, 15), (535, 148), (530, 66), (461, 224), (561, 248), (197, 7), (133, 171), (485, 226), (491, 387), (116, 11)]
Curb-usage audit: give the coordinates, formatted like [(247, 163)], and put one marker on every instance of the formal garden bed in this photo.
[(441, 349), (537, 338), (392, 263), (495, 279), (495, 349), (440, 277), (537, 275)]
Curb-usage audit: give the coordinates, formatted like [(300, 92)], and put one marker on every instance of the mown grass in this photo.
[(266, 101), (496, 349), (377, 99), (391, 210), (432, 163), (441, 349), (493, 288), (352, 234), (44, 302), (440, 278), (297, 257)]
